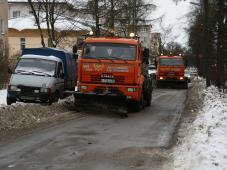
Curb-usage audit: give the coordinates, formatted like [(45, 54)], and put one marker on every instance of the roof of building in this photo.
[(28, 22)]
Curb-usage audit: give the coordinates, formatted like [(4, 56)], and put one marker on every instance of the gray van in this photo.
[(36, 79)]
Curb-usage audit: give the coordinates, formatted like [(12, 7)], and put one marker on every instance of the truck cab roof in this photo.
[(112, 40), (170, 56)]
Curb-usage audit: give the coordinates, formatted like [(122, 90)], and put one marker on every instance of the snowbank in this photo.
[(205, 144), (3, 94)]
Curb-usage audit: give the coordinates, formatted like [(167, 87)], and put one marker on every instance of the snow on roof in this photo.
[(28, 22), (51, 57)]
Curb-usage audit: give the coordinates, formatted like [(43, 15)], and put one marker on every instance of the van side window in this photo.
[(60, 70)]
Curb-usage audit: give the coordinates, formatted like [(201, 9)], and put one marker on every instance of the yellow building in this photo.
[(23, 31), (3, 30)]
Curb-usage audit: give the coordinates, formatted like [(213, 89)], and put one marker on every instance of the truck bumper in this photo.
[(172, 83), (28, 97), (107, 91)]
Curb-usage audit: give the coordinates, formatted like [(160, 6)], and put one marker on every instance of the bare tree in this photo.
[(121, 15), (36, 9), (52, 12)]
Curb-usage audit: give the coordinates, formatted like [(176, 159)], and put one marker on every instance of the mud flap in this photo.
[(172, 84)]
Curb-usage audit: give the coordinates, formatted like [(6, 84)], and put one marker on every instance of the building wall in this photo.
[(33, 40), (22, 7), (3, 42), (4, 27)]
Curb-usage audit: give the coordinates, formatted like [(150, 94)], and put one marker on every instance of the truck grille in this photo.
[(97, 78), (28, 89), (172, 73), (112, 90)]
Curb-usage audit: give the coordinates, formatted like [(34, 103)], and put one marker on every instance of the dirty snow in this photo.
[(205, 144), (22, 115), (3, 94)]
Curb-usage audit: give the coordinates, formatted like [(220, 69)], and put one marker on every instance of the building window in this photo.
[(22, 43), (16, 14), (2, 27)]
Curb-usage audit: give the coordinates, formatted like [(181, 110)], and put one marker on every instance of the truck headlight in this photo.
[(36, 91), (83, 87), (13, 88), (181, 78), (161, 78), (44, 90), (130, 89)]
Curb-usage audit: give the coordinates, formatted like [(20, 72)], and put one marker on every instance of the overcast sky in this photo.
[(174, 15)]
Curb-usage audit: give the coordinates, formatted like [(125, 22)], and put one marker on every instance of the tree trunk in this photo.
[(220, 44), (37, 21)]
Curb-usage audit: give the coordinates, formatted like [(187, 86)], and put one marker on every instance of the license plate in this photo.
[(27, 98), (171, 74), (107, 80)]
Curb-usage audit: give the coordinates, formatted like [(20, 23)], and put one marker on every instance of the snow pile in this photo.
[(205, 144), (21, 115), (3, 94)]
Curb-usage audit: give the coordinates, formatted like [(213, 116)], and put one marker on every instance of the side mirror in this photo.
[(10, 71), (145, 58), (75, 56), (75, 49), (186, 63), (62, 75)]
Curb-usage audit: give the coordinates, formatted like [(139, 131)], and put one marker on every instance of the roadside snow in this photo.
[(205, 144), (3, 94)]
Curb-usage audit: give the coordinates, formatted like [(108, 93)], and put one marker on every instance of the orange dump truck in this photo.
[(170, 71), (111, 68)]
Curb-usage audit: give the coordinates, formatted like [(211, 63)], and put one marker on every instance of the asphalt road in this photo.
[(99, 141)]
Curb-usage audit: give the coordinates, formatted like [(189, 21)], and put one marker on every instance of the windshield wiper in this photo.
[(23, 71), (41, 73)]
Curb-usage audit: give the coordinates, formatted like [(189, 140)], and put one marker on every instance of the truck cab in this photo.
[(170, 70), (112, 67)]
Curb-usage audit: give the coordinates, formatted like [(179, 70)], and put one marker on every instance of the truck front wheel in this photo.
[(136, 106), (10, 101)]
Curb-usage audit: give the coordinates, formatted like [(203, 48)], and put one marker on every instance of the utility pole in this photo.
[(134, 17), (220, 44), (206, 39), (96, 13), (112, 15)]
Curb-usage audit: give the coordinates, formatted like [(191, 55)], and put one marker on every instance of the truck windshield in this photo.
[(109, 51), (171, 62), (36, 66)]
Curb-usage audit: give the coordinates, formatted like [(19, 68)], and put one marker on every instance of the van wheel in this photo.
[(10, 101), (54, 97)]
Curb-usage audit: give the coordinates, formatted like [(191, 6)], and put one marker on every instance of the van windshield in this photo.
[(171, 62), (109, 51), (36, 66)]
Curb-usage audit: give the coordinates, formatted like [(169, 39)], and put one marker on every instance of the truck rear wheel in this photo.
[(148, 98)]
